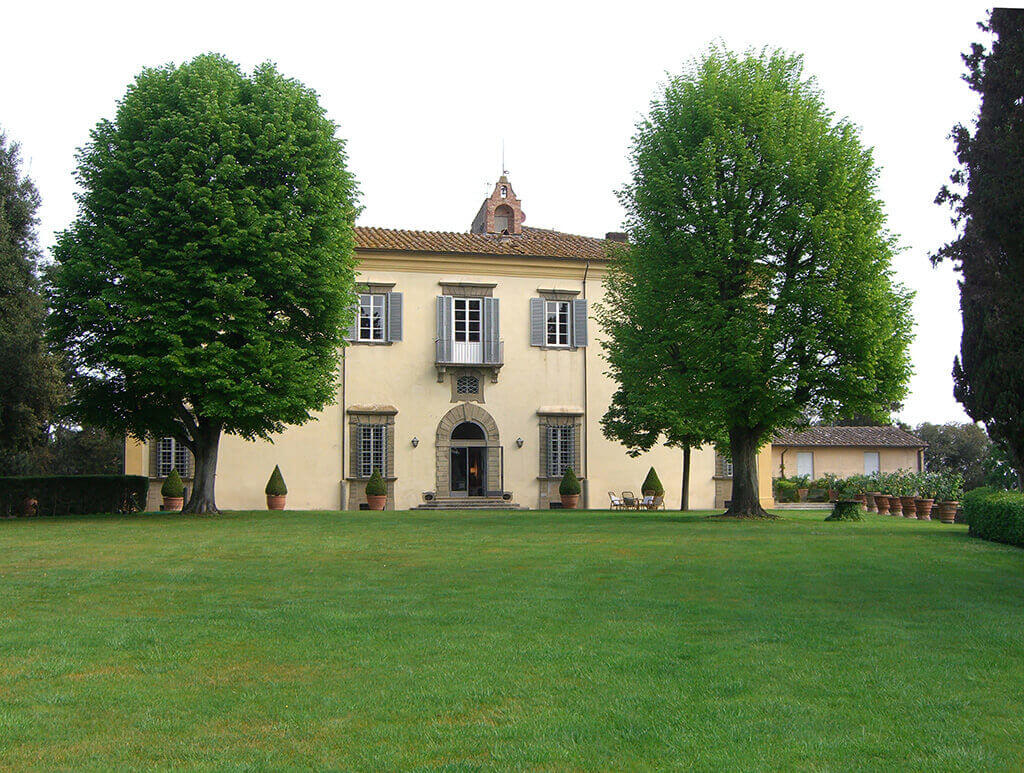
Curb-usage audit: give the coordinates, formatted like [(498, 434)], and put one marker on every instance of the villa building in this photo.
[(473, 377)]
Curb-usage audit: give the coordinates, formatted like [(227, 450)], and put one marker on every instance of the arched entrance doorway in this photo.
[(468, 453), (467, 467)]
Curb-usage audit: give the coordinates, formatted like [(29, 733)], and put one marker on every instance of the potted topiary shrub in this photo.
[(949, 491), (652, 487), (173, 492), (569, 490), (376, 491), (276, 490)]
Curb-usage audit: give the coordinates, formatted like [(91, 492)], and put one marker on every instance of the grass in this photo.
[(546, 640)]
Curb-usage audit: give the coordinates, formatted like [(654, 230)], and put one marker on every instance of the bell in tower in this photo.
[(501, 213)]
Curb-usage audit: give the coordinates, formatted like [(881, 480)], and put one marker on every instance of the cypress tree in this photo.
[(30, 381), (987, 198)]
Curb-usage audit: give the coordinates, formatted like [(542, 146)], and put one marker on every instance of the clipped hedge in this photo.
[(997, 516), (73, 494)]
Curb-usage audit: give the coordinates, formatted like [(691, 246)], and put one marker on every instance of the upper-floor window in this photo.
[(558, 322), (504, 191), (371, 316), (378, 318), (171, 454), (466, 319), (557, 314)]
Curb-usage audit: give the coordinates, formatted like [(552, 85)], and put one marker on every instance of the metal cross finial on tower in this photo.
[(503, 169)]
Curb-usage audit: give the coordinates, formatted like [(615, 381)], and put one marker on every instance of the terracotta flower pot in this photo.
[(909, 506), (275, 501), (376, 502), (862, 500), (924, 509), (174, 504), (895, 506), (873, 501), (571, 501), (947, 511), (801, 494), (882, 503), (833, 495)]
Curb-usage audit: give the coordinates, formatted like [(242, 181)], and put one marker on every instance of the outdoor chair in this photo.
[(617, 503), (629, 500)]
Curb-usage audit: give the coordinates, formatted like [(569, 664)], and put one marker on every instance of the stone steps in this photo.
[(469, 503)]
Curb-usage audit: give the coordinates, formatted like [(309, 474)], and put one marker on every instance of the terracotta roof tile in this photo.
[(534, 242), (887, 437)]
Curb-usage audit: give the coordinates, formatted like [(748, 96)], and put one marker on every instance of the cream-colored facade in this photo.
[(401, 386), (844, 461)]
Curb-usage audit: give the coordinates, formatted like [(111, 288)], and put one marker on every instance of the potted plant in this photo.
[(569, 490), (652, 487), (927, 483), (376, 491), (905, 487), (802, 487), (829, 481), (173, 492), (949, 491), (859, 485), (276, 490)]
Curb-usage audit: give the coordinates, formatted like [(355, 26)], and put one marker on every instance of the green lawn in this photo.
[(546, 640)]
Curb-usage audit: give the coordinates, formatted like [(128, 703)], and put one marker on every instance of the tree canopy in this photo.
[(758, 286), (206, 282), (987, 198), (30, 379)]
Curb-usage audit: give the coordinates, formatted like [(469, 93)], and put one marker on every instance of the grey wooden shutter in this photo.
[(491, 331), (353, 329), (538, 336), (579, 322), (445, 303), (394, 316)]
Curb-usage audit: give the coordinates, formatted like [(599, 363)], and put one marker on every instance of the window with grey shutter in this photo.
[(444, 328), (353, 329), (491, 323), (579, 322), (394, 316), (537, 329)]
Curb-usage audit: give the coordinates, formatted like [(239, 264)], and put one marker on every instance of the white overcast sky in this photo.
[(425, 93)]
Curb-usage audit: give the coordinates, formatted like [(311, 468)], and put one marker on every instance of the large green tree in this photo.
[(987, 199), (205, 285), (30, 380), (758, 287), (961, 448)]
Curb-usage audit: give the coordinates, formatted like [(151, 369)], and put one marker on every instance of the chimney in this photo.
[(616, 236)]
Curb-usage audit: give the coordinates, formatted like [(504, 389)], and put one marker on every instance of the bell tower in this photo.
[(501, 213)]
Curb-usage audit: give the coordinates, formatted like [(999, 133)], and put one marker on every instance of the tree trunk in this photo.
[(207, 444), (746, 500), (684, 503)]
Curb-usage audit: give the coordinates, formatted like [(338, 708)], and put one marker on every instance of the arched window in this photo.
[(504, 191), (504, 219), (468, 430)]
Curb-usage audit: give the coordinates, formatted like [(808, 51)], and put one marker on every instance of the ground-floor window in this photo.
[(561, 449), (372, 449), (171, 454)]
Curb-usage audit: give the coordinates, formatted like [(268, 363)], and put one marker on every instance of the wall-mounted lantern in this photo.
[(519, 442), (415, 442)]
